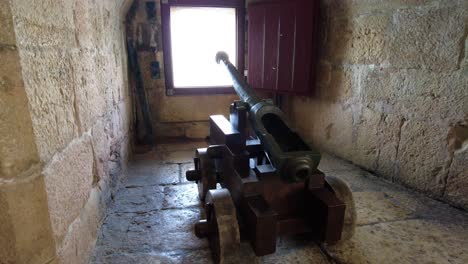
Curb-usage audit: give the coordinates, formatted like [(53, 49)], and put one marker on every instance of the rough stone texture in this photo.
[(17, 150), (153, 223), (412, 241), (173, 116), (64, 114), (25, 231), (68, 180), (51, 99), (391, 88)]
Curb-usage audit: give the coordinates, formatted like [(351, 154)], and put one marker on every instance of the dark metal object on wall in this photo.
[(150, 10), (271, 181), (140, 90), (155, 70)]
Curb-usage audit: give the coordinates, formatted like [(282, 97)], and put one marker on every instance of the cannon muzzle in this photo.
[(292, 157)]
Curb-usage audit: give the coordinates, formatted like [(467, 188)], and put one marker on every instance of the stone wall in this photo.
[(172, 116), (64, 125), (392, 92)]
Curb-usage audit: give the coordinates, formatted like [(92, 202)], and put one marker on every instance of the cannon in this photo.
[(259, 179)]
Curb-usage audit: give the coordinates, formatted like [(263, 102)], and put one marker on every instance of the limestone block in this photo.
[(101, 148), (79, 242), (17, 150), (376, 141), (104, 77), (68, 180), (457, 182), (193, 108), (416, 94), (45, 13), (164, 130), (428, 37), (50, 89), (7, 33), (370, 42), (10, 68), (422, 156), (338, 86), (361, 40), (25, 230), (328, 126), (90, 101), (88, 23), (180, 145), (44, 23), (197, 130)]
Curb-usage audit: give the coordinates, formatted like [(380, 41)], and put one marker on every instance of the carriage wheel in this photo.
[(343, 192), (204, 166), (223, 232)]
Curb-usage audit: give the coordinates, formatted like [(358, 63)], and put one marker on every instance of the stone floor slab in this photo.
[(181, 196), (177, 157), (376, 207), (147, 172), (135, 199), (411, 241)]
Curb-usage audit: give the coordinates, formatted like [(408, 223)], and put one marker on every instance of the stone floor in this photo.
[(152, 219)]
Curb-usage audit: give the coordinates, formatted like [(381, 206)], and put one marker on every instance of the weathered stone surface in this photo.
[(422, 156), (362, 39), (172, 257), (49, 87), (33, 27), (25, 230), (17, 150), (7, 33), (175, 157), (457, 181), (331, 126), (167, 145), (330, 163), (377, 137), (197, 130), (132, 199), (90, 102), (181, 196), (404, 242), (376, 207), (68, 180), (168, 130), (428, 37), (143, 173), (101, 148), (392, 82), (80, 239)]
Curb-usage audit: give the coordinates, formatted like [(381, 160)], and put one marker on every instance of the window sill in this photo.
[(200, 91)]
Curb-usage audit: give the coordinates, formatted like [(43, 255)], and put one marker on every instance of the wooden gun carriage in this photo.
[(270, 185)]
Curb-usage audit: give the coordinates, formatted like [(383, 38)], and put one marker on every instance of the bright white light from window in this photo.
[(197, 34)]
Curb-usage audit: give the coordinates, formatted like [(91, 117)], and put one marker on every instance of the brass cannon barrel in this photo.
[(290, 155)]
